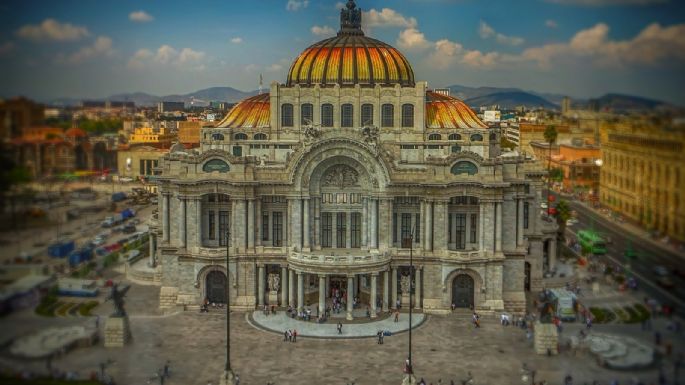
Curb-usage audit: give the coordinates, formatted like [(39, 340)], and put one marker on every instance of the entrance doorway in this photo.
[(216, 287), (462, 291), (338, 285)]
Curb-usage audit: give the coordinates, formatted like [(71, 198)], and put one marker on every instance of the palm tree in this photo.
[(551, 138), (563, 215)]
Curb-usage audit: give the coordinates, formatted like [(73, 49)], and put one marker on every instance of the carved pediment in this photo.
[(340, 176)]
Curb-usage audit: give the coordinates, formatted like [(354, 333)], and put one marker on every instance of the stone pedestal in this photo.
[(273, 298), (117, 332), (405, 299), (409, 379), (546, 339)]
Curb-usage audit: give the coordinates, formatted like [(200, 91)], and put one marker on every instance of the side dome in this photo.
[(444, 111), (253, 112), (351, 58)]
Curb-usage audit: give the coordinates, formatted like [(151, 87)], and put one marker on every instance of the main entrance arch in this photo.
[(216, 287), (462, 291)]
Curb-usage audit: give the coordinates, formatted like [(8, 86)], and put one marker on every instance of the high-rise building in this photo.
[(170, 107)]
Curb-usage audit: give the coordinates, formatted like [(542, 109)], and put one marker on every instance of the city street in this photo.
[(643, 266)]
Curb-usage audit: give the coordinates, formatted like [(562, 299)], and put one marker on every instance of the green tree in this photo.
[(563, 215), (551, 138), (557, 174)]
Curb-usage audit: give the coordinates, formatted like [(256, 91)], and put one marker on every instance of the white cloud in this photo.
[(446, 54), (295, 5), (101, 47), (322, 31), (412, 39), (140, 17), (274, 68), (387, 17), (166, 55), (486, 31), (479, 59), (651, 46), (6, 47), (52, 30), (237, 40), (601, 3), (551, 23)]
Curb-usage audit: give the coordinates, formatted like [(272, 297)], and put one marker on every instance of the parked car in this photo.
[(571, 222), (661, 271), (97, 241), (543, 205), (129, 229)]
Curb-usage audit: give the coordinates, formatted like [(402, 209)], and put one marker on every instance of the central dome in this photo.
[(351, 58)]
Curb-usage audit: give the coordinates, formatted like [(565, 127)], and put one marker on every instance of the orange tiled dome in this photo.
[(351, 58), (444, 111), (252, 112)]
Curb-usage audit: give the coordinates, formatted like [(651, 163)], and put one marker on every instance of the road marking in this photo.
[(643, 279)]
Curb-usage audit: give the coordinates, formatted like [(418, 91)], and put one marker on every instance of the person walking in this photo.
[(382, 336), (339, 328), (285, 335), (295, 335), (378, 337), (397, 316), (167, 370)]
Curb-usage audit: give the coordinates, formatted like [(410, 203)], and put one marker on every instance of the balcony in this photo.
[(339, 261)]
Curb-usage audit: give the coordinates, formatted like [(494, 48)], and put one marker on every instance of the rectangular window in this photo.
[(277, 229), (388, 115), (417, 226), (265, 226), (394, 228), (367, 115), (237, 151), (326, 229), (326, 115), (461, 231), (356, 230), (526, 210), (405, 228), (450, 235), (407, 115), (211, 234), (287, 115), (341, 230), (355, 198), (474, 227), (307, 114), (346, 115), (223, 227), (142, 167)]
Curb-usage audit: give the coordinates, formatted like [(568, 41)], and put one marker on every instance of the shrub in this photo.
[(85, 308), (47, 305)]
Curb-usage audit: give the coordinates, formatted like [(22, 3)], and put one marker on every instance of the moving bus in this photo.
[(592, 242)]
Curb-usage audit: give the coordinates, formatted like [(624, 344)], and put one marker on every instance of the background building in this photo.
[(642, 173), (170, 107)]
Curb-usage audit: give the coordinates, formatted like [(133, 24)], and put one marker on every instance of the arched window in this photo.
[(464, 167), (287, 115), (367, 114), (327, 115), (407, 115), (434, 137), (454, 137), (346, 115), (240, 136), (307, 113), (260, 136), (216, 165), (217, 137), (388, 115), (476, 138)]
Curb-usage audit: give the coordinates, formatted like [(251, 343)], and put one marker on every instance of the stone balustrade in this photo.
[(322, 261)]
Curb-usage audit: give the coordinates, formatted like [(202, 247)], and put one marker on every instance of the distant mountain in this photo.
[(623, 103), (511, 100), (197, 98)]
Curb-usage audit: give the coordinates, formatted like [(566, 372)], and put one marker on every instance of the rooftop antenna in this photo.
[(261, 83)]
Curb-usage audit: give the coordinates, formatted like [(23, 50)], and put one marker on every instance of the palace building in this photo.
[(329, 182)]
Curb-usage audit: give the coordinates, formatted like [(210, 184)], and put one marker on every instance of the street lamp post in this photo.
[(409, 241)]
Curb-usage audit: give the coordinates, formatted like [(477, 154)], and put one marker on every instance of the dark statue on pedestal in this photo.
[(351, 19), (117, 296)]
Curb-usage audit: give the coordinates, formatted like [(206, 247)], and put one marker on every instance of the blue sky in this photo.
[(581, 48)]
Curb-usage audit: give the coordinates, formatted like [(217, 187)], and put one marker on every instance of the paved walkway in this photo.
[(280, 322)]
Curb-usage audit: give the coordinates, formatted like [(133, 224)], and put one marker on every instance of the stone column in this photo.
[(365, 218), (284, 286), (296, 223), (250, 224), (552, 254), (317, 223), (306, 227), (386, 289), (428, 234), (417, 291), (300, 291), (198, 221), (374, 282), (322, 294), (165, 219), (153, 249), (519, 224), (393, 291), (262, 279), (374, 224), (291, 288), (182, 222), (357, 284), (481, 225), (258, 222), (498, 226), (350, 298)]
